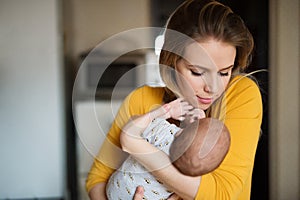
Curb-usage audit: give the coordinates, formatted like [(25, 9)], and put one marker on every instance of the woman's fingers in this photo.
[(139, 193), (174, 197)]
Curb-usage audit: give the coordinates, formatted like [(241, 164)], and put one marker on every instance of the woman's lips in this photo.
[(205, 100)]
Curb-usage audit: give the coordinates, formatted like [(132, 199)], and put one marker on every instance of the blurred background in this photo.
[(43, 44)]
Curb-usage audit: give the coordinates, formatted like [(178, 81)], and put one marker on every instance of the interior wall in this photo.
[(285, 99), (90, 22), (31, 100), (86, 24)]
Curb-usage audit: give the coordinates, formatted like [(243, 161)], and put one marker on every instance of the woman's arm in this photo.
[(146, 153), (111, 156), (158, 163), (98, 192)]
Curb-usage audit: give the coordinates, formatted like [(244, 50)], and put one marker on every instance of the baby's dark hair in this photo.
[(201, 147)]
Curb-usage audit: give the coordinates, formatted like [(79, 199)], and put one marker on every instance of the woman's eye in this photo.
[(224, 73), (197, 73)]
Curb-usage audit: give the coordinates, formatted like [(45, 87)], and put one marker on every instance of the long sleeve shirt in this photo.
[(241, 111)]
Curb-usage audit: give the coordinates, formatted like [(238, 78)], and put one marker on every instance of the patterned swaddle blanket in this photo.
[(123, 182)]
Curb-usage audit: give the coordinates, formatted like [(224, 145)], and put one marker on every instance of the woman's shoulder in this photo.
[(146, 89), (243, 95), (241, 83), (146, 97), (147, 92)]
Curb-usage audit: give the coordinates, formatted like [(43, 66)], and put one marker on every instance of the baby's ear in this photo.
[(182, 141)]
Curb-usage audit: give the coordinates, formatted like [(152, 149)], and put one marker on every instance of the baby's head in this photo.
[(201, 147)]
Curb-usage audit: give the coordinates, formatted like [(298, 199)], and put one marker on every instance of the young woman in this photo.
[(214, 85)]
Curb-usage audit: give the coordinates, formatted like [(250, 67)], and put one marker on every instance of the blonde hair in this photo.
[(200, 20)]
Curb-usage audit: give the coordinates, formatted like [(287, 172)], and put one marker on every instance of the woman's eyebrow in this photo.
[(199, 66), (225, 68), (206, 68)]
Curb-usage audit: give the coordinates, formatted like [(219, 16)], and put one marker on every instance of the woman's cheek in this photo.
[(225, 83), (187, 84)]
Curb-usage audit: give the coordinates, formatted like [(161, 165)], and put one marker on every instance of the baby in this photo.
[(195, 150)]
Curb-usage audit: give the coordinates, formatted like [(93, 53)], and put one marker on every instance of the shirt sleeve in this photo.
[(242, 114), (111, 156)]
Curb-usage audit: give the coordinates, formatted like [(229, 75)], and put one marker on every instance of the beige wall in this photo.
[(284, 99), (32, 144), (89, 22)]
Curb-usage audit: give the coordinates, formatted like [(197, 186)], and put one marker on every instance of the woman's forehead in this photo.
[(211, 54), (196, 55)]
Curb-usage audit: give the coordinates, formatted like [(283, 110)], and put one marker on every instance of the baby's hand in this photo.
[(196, 114), (177, 109)]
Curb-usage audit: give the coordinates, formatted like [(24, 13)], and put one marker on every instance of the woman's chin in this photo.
[(203, 106)]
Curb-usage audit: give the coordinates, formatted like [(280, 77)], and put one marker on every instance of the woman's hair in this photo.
[(201, 20)]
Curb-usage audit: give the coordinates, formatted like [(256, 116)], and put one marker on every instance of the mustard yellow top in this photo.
[(240, 110)]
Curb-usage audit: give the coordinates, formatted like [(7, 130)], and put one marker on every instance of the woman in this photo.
[(213, 85)]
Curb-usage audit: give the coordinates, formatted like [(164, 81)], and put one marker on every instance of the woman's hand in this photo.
[(139, 193)]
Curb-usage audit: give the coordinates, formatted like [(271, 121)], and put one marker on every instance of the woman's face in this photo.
[(204, 71)]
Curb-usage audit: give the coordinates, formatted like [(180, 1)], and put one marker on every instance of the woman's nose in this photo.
[(209, 88), (212, 85)]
